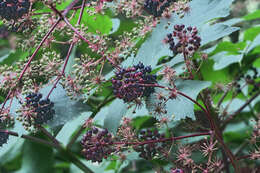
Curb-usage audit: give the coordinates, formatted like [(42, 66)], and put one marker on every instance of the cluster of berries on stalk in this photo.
[(97, 144), (157, 7), (249, 79), (133, 82), (184, 40), (36, 111), (151, 143), (14, 9), (43, 107), (3, 138)]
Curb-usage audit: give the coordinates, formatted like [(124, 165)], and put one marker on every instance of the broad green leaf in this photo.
[(181, 107), (252, 16), (230, 47), (116, 111), (65, 108), (4, 53), (251, 33), (71, 127), (116, 25), (223, 59), (200, 14), (126, 25), (235, 105), (237, 132), (256, 42), (257, 63), (37, 158), (14, 151), (12, 56), (211, 32), (97, 22), (215, 76), (64, 4)]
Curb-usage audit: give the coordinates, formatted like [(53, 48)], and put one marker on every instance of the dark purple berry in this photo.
[(97, 144), (133, 82), (185, 40)]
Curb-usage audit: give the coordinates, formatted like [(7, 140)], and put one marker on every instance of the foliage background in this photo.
[(234, 49)]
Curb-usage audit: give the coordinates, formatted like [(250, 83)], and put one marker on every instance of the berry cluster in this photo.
[(151, 144), (187, 42), (97, 144), (157, 7), (131, 83), (42, 107), (3, 138), (14, 9), (249, 79)]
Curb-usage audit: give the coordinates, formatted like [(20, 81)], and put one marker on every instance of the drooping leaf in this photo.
[(70, 127), (116, 111), (37, 158), (256, 42)]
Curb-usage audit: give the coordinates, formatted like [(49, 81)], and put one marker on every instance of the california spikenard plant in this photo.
[(127, 86)]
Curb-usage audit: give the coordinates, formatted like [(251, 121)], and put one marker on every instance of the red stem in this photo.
[(163, 140), (69, 51), (217, 132), (63, 70)]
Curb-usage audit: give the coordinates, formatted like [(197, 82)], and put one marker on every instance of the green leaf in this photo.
[(215, 76), (37, 158), (252, 16), (224, 59), (237, 132), (255, 43), (181, 107), (211, 32), (71, 127), (230, 47), (65, 108), (257, 63), (63, 5), (116, 111), (233, 55), (71, 62), (13, 152), (97, 22), (251, 33), (13, 56)]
